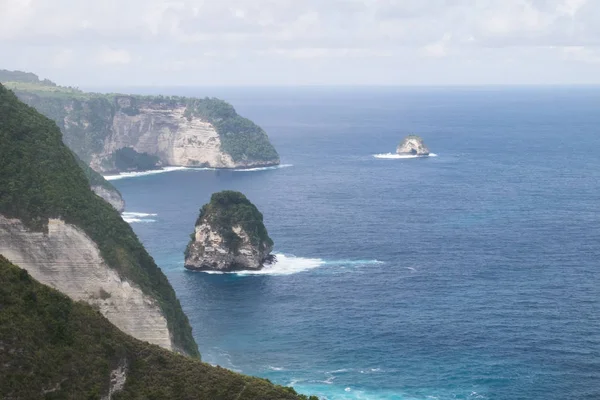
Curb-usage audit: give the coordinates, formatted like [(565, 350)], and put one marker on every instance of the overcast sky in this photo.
[(306, 42)]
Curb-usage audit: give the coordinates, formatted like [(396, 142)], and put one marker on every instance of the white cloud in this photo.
[(583, 54), (437, 49), (275, 41), (109, 56), (63, 58)]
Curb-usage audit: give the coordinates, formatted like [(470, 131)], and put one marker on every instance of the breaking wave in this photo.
[(393, 156), (125, 175), (289, 265), (263, 168), (132, 217)]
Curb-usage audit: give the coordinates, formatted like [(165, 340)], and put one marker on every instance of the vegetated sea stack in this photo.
[(413, 145), (229, 236)]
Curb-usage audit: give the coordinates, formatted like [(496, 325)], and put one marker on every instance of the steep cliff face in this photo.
[(164, 132), (55, 226), (66, 259), (413, 145), (180, 131), (229, 236)]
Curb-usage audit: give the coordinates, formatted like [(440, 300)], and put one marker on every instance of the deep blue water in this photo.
[(471, 275)]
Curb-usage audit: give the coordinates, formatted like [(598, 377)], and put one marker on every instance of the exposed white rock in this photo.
[(118, 377), (110, 197), (66, 259), (166, 133), (413, 145), (209, 251)]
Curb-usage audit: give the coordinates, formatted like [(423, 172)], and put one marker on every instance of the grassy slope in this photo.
[(40, 179), (48, 342)]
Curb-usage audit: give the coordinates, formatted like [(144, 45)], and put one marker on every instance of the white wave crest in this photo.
[(393, 156), (288, 265), (125, 175), (137, 214), (132, 217), (263, 168)]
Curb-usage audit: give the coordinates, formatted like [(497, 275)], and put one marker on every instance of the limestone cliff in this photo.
[(66, 259), (56, 227), (413, 145), (180, 131), (163, 131), (229, 236)]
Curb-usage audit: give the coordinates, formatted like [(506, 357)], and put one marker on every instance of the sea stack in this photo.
[(229, 236), (413, 145)]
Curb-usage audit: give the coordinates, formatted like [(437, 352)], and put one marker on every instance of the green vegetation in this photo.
[(94, 178), (127, 159), (228, 209), (86, 118), (23, 77), (240, 137), (40, 179), (54, 348)]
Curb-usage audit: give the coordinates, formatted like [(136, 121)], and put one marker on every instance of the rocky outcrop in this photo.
[(111, 197), (66, 259), (166, 133), (413, 145), (229, 236)]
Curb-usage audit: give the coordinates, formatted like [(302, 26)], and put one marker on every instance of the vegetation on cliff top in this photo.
[(40, 179), (229, 208), (54, 348), (86, 118)]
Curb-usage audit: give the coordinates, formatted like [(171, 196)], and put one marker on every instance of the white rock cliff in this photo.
[(209, 251), (66, 259)]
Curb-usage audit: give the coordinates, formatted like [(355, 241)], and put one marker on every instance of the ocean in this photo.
[(474, 274)]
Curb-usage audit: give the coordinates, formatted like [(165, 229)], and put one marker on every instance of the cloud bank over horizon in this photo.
[(310, 42)]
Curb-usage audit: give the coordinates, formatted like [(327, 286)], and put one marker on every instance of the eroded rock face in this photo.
[(209, 252), (221, 239), (413, 145), (111, 197), (166, 133), (66, 259)]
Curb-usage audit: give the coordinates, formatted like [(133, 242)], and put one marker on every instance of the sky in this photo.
[(302, 42)]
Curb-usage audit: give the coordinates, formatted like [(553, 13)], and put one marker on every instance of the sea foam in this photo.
[(394, 156), (280, 166), (132, 217), (125, 175), (288, 265)]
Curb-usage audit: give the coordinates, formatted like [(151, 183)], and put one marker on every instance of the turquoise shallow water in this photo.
[(470, 275)]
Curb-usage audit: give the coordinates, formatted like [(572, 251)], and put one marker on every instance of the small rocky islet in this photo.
[(412, 145), (229, 236)]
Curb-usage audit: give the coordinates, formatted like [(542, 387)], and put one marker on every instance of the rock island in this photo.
[(412, 145), (229, 236)]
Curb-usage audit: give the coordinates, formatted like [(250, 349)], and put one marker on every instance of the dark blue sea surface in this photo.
[(471, 275)]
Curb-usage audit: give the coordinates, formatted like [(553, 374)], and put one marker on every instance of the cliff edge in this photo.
[(56, 227)]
